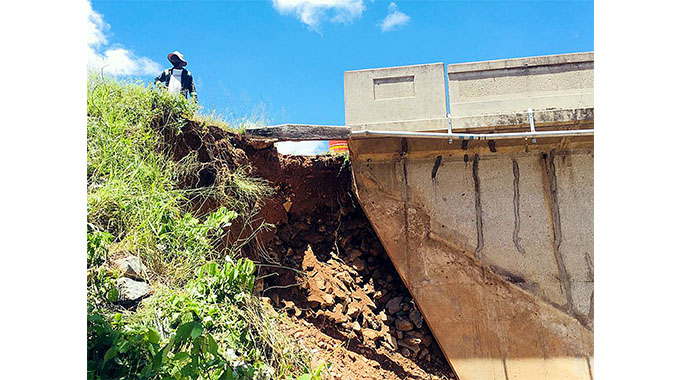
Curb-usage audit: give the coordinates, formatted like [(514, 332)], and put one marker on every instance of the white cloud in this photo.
[(113, 60), (395, 18), (306, 148), (314, 12)]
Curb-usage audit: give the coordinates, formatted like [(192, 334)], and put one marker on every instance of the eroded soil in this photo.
[(321, 263)]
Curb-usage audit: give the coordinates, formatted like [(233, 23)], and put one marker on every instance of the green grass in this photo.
[(131, 182), (199, 323)]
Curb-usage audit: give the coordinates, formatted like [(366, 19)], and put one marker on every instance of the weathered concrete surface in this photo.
[(496, 247), (501, 87), (494, 239), (489, 94), (396, 94)]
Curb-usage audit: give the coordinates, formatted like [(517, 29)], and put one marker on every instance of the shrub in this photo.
[(212, 329)]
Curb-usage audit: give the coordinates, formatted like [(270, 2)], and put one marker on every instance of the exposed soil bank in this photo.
[(322, 264)]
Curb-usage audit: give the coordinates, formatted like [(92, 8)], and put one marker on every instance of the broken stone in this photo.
[(391, 342), (358, 265), (130, 290), (314, 237), (405, 352), (356, 326), (338, 318), (412, 341), (344, 277), (393, 305), (338, 309), (403, 343), (416, 318), (371, 305), (370, 334), (378, 296), (403, 324), (131, 267), (353, 310), (354, 254), (344, 240), (339, 292), (287, 204), (328, 300), (373, 323)]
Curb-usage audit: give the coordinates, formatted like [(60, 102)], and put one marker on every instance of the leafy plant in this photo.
[(98, 243), (101, 287), (233, 281)]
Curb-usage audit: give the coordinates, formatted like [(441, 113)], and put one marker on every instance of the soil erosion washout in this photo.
[(321, 263)]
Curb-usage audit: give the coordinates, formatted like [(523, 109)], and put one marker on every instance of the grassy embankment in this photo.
[(201, 320)]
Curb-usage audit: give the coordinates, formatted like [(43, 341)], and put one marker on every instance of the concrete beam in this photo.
[(299, 132)]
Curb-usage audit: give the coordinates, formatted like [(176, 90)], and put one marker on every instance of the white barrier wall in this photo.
[(484, 93), (488, 94), (396, 98)]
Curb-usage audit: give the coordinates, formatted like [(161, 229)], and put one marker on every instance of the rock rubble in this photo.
[(347, 281)]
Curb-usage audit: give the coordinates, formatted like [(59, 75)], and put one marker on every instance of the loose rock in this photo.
[(416, 318), (131, 267), (130, 290), (393, 305), (403, 325), (353, 310)]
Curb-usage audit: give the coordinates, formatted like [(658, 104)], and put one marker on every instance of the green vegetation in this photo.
[(202, 320)]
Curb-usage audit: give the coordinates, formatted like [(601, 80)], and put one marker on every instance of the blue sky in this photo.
[(283, 60)]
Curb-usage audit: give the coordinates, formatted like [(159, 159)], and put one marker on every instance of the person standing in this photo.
[(177, 79)]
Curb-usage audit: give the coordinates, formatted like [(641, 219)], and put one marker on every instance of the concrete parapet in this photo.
[(554, 82), (414, 97), (487, 94)]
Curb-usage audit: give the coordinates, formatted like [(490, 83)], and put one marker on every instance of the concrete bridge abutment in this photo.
[(494, 238)]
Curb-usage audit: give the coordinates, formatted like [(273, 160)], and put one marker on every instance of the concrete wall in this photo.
[(512, 86), (494, 239), (489, 94), (496, 248), (386, 98)]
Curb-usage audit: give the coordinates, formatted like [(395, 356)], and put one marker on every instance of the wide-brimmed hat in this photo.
[(179, 55)]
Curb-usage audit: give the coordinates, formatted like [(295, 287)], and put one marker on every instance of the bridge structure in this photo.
[(478, 179)]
